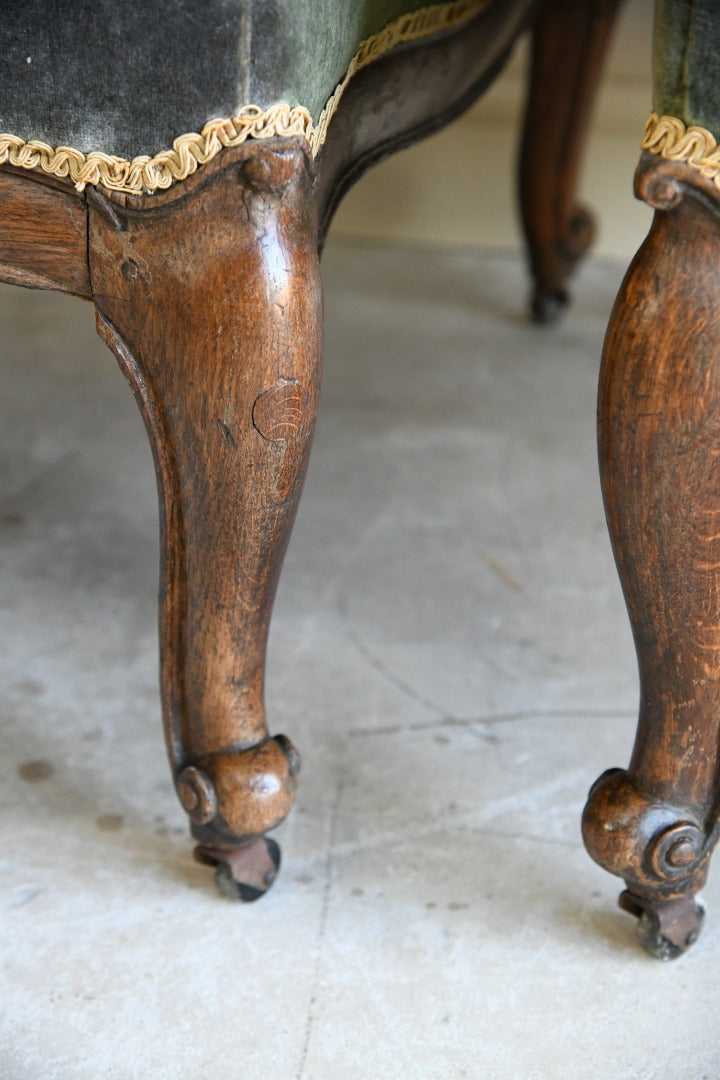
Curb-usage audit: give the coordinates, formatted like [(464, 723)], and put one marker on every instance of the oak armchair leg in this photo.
[(656, 824), (569, 42), (211, 300)]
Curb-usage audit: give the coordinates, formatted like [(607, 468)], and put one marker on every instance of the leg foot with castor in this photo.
[(210, 297), (660, 851), (561, 89), (656, 824)]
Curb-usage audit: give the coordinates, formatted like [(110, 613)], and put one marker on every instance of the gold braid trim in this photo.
[(146, 174), (410, 27), (696, 146)]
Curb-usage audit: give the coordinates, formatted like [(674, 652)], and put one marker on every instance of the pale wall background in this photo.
[(458, 187)]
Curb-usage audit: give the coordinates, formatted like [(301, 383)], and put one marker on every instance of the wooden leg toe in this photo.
[(218, 326)]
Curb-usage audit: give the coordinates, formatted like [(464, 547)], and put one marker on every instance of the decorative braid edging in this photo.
[(148, 174), (673, 140), (410, 27), (145, 174)]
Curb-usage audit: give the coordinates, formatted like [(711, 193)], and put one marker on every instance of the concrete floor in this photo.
[(451, 653)]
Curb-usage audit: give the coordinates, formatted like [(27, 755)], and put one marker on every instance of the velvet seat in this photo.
[(180, 172), (137, 84), (113, 77)]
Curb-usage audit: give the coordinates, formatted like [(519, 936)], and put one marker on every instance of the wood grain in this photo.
[(213, 305), (43, 234), (656, 823)]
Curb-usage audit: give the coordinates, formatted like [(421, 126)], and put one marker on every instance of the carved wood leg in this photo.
[(569, 43), (655, 824), (211, 300)]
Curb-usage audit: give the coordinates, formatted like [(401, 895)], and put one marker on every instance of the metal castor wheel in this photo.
[(246, 872), (668, 928)]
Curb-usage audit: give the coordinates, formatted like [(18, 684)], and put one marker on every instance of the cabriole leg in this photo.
[(655, 824), (211, 300), (569, 42)]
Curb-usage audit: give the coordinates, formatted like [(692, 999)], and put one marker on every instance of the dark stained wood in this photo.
[(209, 294), (43, 234), (569, 43), (412, 92), (213, 306), (659, 437)]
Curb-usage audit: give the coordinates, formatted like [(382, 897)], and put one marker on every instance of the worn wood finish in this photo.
[(43, 234), (213, 305), (435, 80), (659, 436), (569, 43), (209, 295)]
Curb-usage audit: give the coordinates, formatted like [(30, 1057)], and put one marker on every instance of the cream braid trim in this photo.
[(696, 146), (146, 174)]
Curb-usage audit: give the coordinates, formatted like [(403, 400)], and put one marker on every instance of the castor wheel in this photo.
[(547, 305), (654, 941), (245, 872), (666, 929)]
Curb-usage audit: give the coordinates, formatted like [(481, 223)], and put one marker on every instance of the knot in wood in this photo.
[(130, 270), (278, 411)]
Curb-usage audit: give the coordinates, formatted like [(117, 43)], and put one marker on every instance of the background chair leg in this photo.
[(211, 300), (569, 43), (655, 824)]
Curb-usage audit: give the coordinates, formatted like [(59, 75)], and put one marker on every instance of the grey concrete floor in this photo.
[(450, 652)]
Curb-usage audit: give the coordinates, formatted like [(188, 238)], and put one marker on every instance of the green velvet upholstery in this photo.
[(126, 78), (685, 61)]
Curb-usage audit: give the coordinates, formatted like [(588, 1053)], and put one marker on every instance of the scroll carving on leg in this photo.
[(211, 300), (655, 824)]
